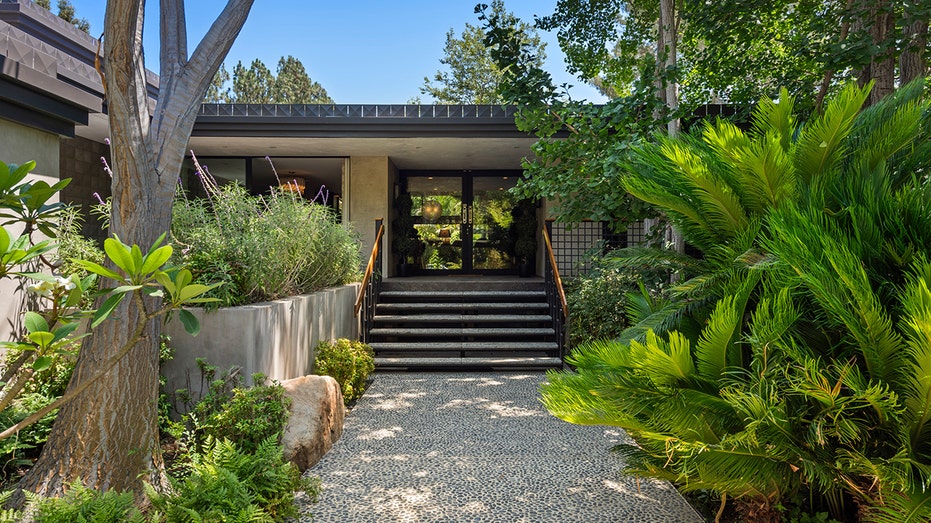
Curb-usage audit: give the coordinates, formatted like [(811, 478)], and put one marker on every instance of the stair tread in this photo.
[(455, 293), (461, 305), (462, 318), (464, 345), (469, 362), (466, 331)]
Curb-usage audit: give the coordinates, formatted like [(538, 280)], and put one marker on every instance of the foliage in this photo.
[(80, 504), (227, 484), (599, 299), (405, 238), (473, 77), (579, 144), (262, 247), (257, 85), (21, 449), (38, 365), (349, 362), (809, 375), (524, 230), (245, 415)]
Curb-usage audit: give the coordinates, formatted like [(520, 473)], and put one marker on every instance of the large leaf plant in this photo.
[(793, 360)]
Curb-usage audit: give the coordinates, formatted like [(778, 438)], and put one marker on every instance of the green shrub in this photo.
[(598, 299), (349, 362), (80, 504), (22, 448), (246, 415), (262, 247), (227, 484)]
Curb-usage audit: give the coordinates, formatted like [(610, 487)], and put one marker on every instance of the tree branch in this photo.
[(136, 337), (213, 48), (173, 51)]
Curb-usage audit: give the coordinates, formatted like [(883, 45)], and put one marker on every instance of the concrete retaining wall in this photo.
[(275, 338)]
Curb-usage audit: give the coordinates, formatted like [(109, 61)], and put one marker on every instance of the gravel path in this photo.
[(478, 447)]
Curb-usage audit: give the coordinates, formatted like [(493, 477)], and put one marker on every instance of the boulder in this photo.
[(316, 421)]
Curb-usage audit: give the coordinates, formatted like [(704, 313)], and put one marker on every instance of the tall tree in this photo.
[(252, 85), (293, 85), (107, 437), (472, 75)]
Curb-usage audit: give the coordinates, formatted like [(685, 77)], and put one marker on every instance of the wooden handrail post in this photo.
[(556, 278), (369, 269)]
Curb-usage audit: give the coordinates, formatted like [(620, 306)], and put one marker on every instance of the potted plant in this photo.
[(524, 230), (405, 242)]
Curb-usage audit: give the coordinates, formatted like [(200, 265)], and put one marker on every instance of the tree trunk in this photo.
[(882, 68), (912, 62), (108, 435)]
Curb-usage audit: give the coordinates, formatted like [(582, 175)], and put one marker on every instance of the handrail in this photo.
[(558, 280), (369, 269)]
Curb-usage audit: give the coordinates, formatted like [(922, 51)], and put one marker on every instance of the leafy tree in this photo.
[(256, 84), (473, 76), (218, 93), (294, 86), (107, 436), (253, 85)]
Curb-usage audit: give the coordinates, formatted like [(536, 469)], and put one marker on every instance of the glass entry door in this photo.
[(463, 222)]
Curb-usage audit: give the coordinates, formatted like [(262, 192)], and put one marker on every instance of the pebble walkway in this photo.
[(478, 447)]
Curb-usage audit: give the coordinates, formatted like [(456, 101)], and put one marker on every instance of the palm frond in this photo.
[(820, 146)]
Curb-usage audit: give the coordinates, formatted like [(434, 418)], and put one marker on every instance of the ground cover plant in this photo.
[(349, 362), (262, 247), (793, 361)]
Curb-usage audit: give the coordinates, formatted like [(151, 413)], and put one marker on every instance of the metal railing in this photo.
[(371, 284), (555, 294)]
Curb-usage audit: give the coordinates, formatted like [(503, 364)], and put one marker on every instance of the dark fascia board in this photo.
[(358, 128), (46, 27), (36, 120), (358, 121), (72, 101)]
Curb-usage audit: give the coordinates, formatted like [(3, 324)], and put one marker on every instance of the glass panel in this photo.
[(437, 206), (492, 206)]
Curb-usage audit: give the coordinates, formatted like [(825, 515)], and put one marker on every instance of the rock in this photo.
[(316, 421)]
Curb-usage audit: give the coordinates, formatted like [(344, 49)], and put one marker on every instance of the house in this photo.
[(456, 161)]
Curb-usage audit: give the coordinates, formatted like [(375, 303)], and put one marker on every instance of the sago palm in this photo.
[(812, 370)]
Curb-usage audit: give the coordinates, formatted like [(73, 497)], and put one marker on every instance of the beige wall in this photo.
[(275, 338), (19, 145), (368, 192)]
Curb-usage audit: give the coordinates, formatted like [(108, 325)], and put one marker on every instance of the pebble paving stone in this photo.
[(478, 447)]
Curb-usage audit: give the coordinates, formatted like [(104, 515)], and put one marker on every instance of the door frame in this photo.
[(465, 223)]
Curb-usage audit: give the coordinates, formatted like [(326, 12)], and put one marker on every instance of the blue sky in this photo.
[(360, 51)]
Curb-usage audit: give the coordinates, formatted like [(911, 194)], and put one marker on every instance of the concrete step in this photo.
[(470, 332), (464, 318), (451, 296), (386, 308), (447, 283), (468, 363), (477, 346)]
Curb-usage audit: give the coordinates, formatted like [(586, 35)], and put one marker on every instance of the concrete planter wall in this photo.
[(275, 338)]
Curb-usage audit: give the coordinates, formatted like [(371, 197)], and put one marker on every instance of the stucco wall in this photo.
[(368, 196), (275, 338), (19, 145)]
